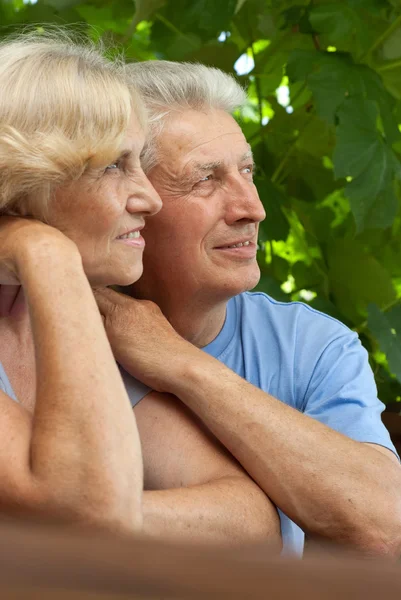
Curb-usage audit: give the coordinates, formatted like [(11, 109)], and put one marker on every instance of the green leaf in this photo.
[(203, 18), (270, 286), (306, 276), (146, 8), (334, 77), (392, 46), (317, 220), (357, 279), (216, 54), (275, 226), (335, 19), (301, 63), (61, 4), (358, 139), (372, 197), (280, 268), (386, 328), (326, 306), (361, 153)]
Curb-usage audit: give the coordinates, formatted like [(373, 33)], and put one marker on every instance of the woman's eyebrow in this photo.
[(124, 154)]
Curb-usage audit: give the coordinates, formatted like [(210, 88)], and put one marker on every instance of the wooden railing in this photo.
[(42, 563)]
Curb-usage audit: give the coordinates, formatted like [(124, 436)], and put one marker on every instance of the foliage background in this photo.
[(324, 114)]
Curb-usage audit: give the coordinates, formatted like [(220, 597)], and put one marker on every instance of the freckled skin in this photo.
[(203, 208), (103, 204), (181, 264)]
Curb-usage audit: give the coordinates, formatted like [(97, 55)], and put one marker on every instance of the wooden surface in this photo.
[(42, 563)]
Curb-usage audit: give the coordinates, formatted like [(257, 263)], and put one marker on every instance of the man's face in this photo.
[(203, 241)]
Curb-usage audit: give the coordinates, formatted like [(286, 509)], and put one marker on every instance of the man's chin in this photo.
[(238, 285)]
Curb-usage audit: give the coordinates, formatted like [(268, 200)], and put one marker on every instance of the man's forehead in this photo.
[(191, 129)]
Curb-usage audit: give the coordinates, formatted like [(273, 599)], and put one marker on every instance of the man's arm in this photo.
[(335, 488), (194, 489)]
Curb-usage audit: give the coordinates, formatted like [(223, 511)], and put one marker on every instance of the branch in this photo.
[(389, 65), (131, 29)]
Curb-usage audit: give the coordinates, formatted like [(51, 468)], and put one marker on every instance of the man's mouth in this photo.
[(239, 245), (236, 245)]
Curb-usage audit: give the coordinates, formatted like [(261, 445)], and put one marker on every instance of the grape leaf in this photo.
[(357, 279), (361, 153), (275, 226), (386, 328)]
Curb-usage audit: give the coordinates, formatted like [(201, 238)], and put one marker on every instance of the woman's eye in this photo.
[(114, 166)]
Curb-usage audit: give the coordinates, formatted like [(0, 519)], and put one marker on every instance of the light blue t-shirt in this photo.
[(309, 361)]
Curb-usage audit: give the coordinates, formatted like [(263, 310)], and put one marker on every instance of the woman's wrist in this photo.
[(36, 256)]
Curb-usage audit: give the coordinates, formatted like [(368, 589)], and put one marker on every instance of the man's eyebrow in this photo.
[(211, 166), (247, 155), (207, 166)]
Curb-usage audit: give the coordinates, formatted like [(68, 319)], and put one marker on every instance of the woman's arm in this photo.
[(79, 456), (194, 489)]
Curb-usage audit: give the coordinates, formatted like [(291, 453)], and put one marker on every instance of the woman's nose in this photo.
[(144, 198)]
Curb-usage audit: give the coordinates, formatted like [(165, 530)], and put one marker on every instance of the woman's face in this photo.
[(104, 211)]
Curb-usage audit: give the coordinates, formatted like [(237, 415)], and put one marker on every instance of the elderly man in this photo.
[(291, 395)]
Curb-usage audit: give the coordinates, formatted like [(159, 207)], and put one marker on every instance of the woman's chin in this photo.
[(121, 278)]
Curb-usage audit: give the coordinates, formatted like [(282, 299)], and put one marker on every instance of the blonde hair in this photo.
[(169, 87), (63, 108)]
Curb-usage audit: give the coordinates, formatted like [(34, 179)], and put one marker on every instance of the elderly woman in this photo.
[(71, 135)]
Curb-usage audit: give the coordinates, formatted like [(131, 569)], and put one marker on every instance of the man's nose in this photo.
[(243, 203), (143, 197)]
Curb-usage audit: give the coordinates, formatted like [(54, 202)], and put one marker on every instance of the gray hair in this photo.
[(168, 87)]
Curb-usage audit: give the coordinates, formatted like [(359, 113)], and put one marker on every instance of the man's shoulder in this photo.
[(264, 308)]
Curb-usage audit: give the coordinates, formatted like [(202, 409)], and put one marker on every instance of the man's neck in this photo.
[(196, 320), (198, 327)]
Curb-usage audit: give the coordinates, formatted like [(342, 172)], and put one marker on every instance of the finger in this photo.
[(109, 295), (105, 304)]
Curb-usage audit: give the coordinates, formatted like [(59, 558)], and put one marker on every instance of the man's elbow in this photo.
[(385, 542), (381, 537)]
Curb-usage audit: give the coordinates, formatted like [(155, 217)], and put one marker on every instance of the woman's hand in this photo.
[(142, 339), (19, 236)]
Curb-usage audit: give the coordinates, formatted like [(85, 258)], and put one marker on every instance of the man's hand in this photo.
[(142, 339)]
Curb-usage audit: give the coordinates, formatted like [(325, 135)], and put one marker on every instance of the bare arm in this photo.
[(333, 487), (78, 457), (196, 491)]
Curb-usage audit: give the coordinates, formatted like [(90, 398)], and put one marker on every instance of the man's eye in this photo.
[(248, 170), (206, 178)]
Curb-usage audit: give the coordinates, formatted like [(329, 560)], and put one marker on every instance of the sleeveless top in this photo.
[(135, 389)]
